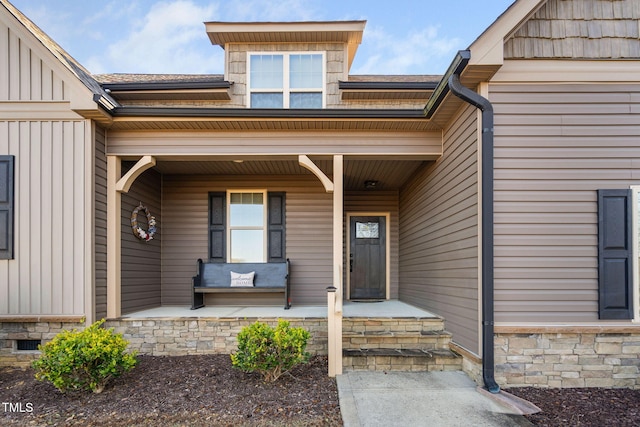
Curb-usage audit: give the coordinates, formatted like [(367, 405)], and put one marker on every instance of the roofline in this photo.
[(387, 85), (269, 113), (457, 66), (138, 86)]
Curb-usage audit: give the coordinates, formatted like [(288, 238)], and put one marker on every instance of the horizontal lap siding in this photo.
[(439, 233), (308, 233), (556, 145), (100, 194), (49, 272), (141, 267)]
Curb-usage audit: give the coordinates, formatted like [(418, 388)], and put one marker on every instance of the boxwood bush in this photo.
[(270, 351), (84, 360)]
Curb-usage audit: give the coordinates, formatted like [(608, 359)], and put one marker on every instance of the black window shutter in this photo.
[(217, 227), (6, 206), (615, 266), (276, 227)]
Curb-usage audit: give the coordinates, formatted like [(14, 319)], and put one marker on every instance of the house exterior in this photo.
[(502, 195)]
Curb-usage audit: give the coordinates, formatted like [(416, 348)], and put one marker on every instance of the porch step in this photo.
[(387, 359), (397, 344)]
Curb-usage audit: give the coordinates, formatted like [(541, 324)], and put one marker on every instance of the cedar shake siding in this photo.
[(100, 194), (308, 235), (555, 146), (579, 29), (141, 267), (439, 233)]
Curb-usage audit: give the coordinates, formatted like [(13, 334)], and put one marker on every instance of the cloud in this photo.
[(422, 50), (169, 38)]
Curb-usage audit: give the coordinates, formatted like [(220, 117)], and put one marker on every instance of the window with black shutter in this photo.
[(247, 226), (7, 207), (615, 263)]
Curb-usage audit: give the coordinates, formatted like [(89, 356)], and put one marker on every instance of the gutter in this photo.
[(267, 113), (143, 86), (484, 105), (425, 86), (457, 66)]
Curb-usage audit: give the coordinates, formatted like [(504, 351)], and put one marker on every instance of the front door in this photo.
[(368, 258)]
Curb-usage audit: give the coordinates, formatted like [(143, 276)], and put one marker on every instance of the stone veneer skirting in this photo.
[(180, 337), (567, 357)]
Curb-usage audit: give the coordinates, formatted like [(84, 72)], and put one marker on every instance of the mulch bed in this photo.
[(584, 407), (177, 391), (207, 391)]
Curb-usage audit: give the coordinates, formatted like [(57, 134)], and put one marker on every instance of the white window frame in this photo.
[(264, 222), (635, 218), (286, 90)]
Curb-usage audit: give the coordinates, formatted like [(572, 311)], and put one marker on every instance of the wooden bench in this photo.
[(272, 277)]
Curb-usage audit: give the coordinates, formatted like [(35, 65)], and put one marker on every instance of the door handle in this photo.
[(350, 263)]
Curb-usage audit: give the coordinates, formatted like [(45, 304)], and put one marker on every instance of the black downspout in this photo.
[(471, 97)]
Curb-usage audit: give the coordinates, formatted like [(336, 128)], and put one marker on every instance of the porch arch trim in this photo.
[(307, 163), (124, 184)]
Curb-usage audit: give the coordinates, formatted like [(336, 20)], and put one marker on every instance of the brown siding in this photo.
[(378, 201), (439, 233), (100, 194), (141, 267), (593, 29), (309, 233), (555, 146)]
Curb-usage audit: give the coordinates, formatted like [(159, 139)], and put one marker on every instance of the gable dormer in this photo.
[(286, 64)]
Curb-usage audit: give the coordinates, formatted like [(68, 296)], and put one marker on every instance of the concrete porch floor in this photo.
[(384, 309)]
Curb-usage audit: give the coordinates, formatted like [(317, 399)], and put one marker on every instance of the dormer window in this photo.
[(286, 80)]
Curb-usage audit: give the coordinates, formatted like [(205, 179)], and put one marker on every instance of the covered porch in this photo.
[(384, 335)]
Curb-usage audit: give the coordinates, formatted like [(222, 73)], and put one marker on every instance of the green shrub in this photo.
[(84, 360), (271, 352)]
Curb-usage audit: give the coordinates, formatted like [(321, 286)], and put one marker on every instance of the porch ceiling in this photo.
[(390, 174)]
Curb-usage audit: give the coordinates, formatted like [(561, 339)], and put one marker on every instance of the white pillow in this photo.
[(242, 280)]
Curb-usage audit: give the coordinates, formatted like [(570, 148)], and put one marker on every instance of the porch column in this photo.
[(334, 319), (114, 231)]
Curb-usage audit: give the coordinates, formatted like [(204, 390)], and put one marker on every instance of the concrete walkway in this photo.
[(433, 399)]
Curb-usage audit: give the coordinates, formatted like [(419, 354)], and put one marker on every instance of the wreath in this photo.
[(138, 231)]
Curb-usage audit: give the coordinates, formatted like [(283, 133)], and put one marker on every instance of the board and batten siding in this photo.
[(100, 203), (377, 202), (53, 219), (23, 75), (308, 235), (439, 233), (555, 146), (141, 260)]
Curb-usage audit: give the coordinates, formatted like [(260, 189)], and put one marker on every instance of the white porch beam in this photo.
[(124, 184), (114, 229), (335, 307), (307, 163)]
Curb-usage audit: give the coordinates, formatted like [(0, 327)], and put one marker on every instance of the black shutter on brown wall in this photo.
[(276, 227), (615, 266), (6, 206), (217, 227)]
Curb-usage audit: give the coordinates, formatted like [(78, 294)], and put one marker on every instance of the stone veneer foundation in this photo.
[(568, 357), (180, 337), (38, 328)]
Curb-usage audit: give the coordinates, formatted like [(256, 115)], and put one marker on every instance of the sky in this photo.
[(166, 37)]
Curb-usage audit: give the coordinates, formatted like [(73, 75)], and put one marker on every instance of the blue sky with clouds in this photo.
[(144, 36)]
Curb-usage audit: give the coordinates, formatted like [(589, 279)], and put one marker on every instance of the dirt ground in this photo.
[(207, 391)]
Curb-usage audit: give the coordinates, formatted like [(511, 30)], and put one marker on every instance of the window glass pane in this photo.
[(246, 210), (247, 246), (266, 71), (305, 71), (367, 230), (305, 100), (266, 100)]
